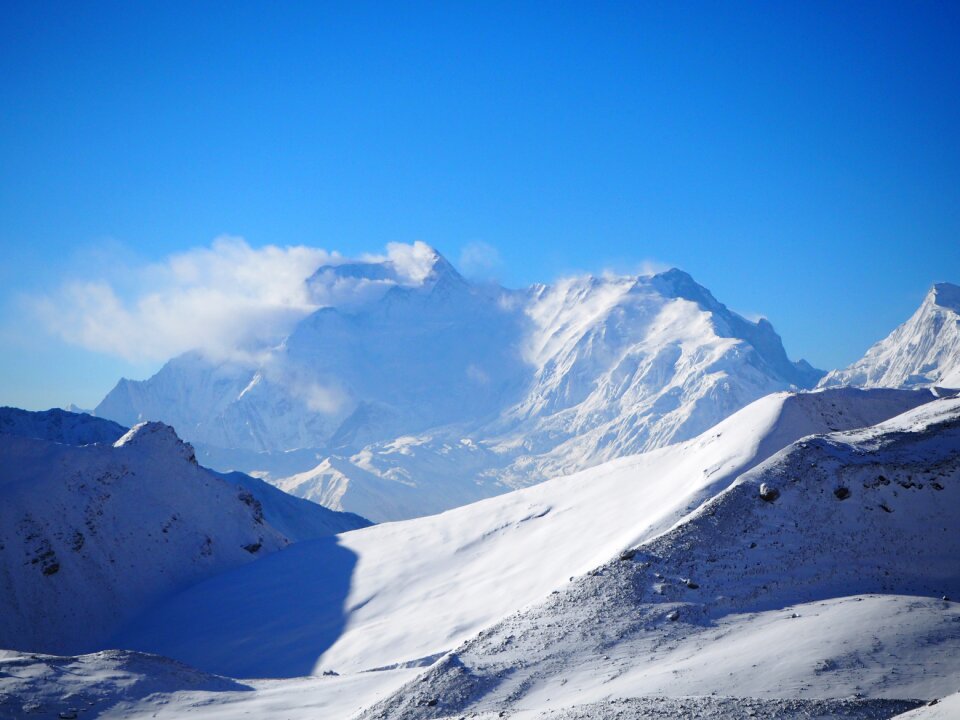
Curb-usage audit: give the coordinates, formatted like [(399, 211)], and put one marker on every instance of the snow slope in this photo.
[(408, 395), (947, 708), (116, 684), (48, 686), (92, 534), (404, 592), (294, 517), (924, 351), (817, 574)]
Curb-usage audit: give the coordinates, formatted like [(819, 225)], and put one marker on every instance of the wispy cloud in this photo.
[(479, 260), (753, 317), (651, 267), (225, 300)]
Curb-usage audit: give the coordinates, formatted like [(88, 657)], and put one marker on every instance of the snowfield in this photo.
[(446, 577), (817, 574), (756, 571), (780, 596)]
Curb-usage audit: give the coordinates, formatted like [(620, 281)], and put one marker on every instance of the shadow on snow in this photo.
[(272, 618)]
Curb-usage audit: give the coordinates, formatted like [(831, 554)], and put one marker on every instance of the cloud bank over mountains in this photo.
[(229, 301)]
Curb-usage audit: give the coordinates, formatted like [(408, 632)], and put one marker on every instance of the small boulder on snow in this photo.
[(768, 492)]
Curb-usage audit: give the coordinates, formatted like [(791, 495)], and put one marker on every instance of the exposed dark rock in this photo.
[(768, 492)]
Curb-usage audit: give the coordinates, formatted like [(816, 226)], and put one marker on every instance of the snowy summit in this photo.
[(412, 390)]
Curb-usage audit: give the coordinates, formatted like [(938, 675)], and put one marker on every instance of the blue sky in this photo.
[(801, 160)]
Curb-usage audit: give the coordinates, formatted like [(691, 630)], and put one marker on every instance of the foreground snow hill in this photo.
[(406, 592), (810, 604), (90, 534), (89, 686), (946, 709), (407, 393), (118, 684), (924, 351), (818, 574), (294, 517)]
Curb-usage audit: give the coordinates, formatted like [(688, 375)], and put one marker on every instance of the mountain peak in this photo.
[(945, 295), (676, 283), (923, 351), (441, 267), (157, 435), (414, 265)]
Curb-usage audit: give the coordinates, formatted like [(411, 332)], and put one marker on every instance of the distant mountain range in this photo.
[(413, 395), (697, 527)]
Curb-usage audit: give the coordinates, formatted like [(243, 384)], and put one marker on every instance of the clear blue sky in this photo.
[(802, 160)]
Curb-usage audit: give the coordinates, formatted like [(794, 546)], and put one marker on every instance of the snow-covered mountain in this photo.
[(401, 592), (924, 351), (97, 522), (807, 584), (412, 393), (817, 574)]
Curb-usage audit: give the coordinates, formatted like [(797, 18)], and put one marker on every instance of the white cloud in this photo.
[(635, 268), (225, 300), (652, 267), (327, 400), (476, 374), (412, 262), (230, 300), (478, 259), (752, 316)]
